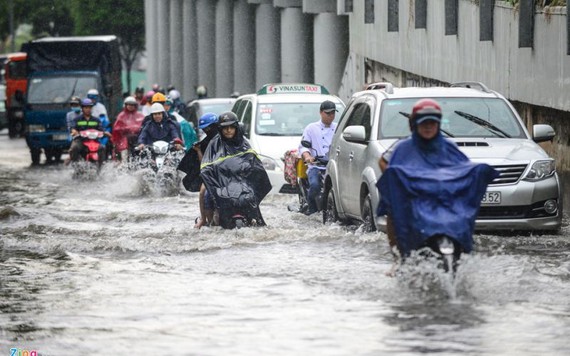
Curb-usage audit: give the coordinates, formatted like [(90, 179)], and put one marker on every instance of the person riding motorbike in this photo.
[(159, 128), (320, 135), (190, 164), (75, 106), (234, 175), (127, 127), (83, 122), (430, 188)]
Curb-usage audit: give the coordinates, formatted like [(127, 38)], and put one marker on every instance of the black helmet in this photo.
[(227, 118)]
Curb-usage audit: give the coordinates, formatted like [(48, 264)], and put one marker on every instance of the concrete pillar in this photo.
[(163, 37), (267, 42), (176, 72), (189, 50), (150, 41), (205, 13), (244, 47), (330, 48), (224, 48), (296, 46)]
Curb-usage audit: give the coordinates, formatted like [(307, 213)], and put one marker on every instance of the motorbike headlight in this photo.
[(269, 163), (36, 128), (540, 170)]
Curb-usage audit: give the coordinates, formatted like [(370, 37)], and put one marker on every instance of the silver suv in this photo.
[(485, 126)]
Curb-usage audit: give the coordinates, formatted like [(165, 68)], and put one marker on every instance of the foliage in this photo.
[(124, 18), (47, 17)]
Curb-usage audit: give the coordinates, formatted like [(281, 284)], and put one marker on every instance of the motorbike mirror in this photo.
[(306, 144)]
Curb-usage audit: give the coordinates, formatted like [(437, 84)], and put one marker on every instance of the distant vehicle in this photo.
[(62, 67), (3, 117), (485, 126), (196, 108), (16, 81), (274, 119)]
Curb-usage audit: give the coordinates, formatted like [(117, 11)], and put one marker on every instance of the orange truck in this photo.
[(15, 75)]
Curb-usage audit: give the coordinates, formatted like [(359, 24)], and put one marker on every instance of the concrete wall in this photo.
[(538, 76)]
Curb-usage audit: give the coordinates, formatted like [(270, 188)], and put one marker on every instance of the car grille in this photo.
[(508, 174), (535, 210)]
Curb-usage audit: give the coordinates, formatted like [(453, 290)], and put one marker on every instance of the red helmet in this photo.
[(425, 107)]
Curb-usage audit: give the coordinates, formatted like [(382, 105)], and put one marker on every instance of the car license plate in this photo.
[(491, 198), (60, 137)]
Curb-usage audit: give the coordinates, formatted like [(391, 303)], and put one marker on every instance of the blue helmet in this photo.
[(207, 119)]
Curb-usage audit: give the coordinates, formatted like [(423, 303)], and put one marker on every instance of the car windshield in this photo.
[(56, 90), (287, 119), (217, 108), (462, 117)]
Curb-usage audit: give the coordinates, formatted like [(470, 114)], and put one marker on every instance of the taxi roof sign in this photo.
[(295, 88)]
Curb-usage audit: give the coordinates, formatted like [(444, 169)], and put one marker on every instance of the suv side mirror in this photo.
[(354, 134), (542, 133)]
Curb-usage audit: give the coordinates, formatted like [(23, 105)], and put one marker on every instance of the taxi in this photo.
[(274, 118)]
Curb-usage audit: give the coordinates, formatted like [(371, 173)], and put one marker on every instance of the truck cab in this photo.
[(15, 75), (57, 69)]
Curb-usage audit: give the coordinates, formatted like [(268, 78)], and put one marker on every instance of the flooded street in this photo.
[(95, 268)]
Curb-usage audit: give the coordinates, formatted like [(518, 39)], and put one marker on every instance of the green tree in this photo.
[(47, 17), (124, 19)]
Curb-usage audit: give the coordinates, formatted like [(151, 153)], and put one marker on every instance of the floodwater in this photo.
[(95, 268)]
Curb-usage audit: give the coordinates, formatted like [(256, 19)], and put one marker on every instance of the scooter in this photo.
[(90, 164), (157, 165), (303, 182)]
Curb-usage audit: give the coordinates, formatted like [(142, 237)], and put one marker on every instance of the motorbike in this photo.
[(90, 164), (302, 181), (156, 165)]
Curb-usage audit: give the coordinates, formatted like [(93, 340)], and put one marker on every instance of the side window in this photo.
[(192, 116), (361, 116), (247, 117), (237, 108)]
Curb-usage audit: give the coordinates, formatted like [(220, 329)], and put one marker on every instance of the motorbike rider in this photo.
[(234, 175), (147, 102), (83, 122), (127, 127), (159, 128), (429, 178), (191, 166), (75, 106), (320, 134)]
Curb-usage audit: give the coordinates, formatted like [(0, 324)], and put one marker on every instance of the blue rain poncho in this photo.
[(432, 188)]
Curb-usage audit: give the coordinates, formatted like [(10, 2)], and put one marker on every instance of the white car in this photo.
[(274, 119), (485, 126)]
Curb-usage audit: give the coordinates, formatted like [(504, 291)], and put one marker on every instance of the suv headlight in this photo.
[(36, 128), (540, 170), (269, 163)]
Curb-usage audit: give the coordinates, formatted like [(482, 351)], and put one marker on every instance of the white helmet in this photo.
[(92, 92), (201, 90), (174, 94), (130, 100), (156, 108)]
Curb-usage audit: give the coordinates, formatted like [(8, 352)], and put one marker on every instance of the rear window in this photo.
[(462, 117)]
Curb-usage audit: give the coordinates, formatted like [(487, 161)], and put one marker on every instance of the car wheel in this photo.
[(367, 215), (330, 214)]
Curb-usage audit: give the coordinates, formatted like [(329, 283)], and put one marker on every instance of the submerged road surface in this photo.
[(96, 268)]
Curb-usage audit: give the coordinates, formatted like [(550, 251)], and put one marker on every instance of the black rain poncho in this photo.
[(234, 175)]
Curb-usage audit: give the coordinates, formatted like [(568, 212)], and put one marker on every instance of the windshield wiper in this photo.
[(442, 130), (483, 123), (272, 134)]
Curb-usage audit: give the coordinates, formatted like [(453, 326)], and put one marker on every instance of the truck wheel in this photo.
[(368, 224), (12, 129), (35, 153)]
